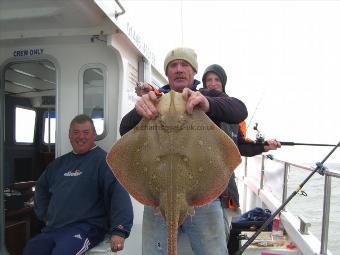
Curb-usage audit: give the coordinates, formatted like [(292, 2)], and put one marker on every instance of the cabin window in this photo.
[(24, 125), (49, 127), (93, 96)]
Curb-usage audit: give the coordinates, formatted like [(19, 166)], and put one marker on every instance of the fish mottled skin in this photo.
[(175, 163)]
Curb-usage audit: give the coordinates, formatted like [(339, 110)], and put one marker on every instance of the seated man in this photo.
[(77, 196)]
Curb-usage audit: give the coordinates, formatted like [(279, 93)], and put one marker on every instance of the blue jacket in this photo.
[(82, 188)]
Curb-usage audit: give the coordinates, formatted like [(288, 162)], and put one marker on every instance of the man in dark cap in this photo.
[(215, 78), (209, 74)]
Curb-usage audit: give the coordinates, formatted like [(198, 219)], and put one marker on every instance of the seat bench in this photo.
[(102, 248)]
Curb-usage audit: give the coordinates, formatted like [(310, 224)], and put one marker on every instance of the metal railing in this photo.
[(328, 174)]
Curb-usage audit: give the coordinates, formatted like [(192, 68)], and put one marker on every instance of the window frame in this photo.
[(82, 71), (43, 129)]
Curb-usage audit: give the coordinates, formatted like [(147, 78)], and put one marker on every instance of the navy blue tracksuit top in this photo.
[(82, 188)]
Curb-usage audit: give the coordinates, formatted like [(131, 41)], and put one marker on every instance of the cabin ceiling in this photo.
[(29, 79), (38, 78)]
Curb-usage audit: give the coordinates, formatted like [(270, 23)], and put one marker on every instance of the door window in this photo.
[(93, 97), (24, 125)]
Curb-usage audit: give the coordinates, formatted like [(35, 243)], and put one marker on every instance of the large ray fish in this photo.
[(175, 163)]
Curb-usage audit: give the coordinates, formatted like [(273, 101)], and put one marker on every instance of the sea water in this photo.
[(310, 203)]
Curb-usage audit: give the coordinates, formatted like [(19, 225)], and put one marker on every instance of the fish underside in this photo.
[(175, 162)]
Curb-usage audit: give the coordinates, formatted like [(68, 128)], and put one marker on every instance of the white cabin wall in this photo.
[(71, 58), (158, 78), (69, 55), (127, 99), (129, 57)]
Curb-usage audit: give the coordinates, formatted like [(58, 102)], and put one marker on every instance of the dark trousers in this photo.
[(73, 239)]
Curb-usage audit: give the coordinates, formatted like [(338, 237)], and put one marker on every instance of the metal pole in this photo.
[(262, 172), (245, 166), (3, 250), (325, 214), (285, 182), (49, 129), (244, 189)]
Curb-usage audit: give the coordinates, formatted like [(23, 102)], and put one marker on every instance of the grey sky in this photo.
[(282, 59)]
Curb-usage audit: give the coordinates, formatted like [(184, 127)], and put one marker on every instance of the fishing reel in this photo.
[(144, 88), (259, 136)]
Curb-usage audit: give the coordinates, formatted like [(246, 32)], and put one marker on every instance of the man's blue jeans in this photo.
[(206, 231)]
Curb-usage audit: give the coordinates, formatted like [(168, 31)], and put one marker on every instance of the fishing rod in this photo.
[(306, 144), (257, 106), (260, 140), (319, 168)]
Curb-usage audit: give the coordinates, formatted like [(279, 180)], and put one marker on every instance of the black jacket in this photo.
[(222, 109), (248, 149)]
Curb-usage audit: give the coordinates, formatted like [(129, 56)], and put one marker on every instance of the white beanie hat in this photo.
[(187, 54)]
